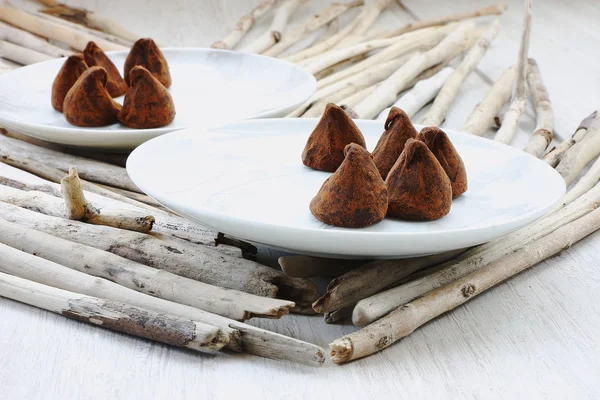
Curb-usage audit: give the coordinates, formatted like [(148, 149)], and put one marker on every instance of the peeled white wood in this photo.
[(32, 42)]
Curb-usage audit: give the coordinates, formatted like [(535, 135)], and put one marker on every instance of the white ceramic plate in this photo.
[(247, 179), (210, 87)]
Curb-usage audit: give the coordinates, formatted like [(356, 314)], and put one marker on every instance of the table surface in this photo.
[(535, 336)]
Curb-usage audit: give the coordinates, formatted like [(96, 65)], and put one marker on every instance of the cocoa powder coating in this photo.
[(398, 129), (88, 103), (324, 149), (147, 54), (71, 70), (445, 152), (95, 57), (147, 104), (355, 196), (418, 187)]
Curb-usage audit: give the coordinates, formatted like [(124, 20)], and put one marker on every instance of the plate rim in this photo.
[(246, 224)]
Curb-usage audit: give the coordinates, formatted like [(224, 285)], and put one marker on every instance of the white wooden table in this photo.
[(535, 336)]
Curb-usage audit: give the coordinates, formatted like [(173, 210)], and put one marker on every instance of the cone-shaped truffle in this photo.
[(418, 187), (324, 149), (95, 57), (445, 152), (355, 196), (398, 129), (147, 104), (147, 54), (88, 103), (71, 70)]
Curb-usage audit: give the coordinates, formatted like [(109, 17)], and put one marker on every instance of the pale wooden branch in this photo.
[(554, 156), (242, 337), (80, 28), (337, 315), (80, 209), (581, 153), (519, 97), (435, 35), (307, 266), (7, 66), (373, 308), (51, 30), (168, 224), (494, 9), (544, 126), (244, 24), (21, 55), (113, 315), (310, 25), (275, 32), (201, 263), (138, 197), (371, 278), (90, 170), (91, 20), (374, 9), (156, 282), (367, 16), (438, 111), (484, 113), (405, 319), (584, 184), (401, 45), (386, 94), (351, 101), (31, 42), (421, 94)]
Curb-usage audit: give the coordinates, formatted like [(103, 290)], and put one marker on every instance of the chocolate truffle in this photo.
[(355, 196), (147, 54), (418, 187), (324, 149), (71, 70), (445, 152), (398, 129), (88, 103), (147, 104), (95, 57)]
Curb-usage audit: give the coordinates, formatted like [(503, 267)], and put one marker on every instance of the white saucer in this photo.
[(246, 179), (210, 87)]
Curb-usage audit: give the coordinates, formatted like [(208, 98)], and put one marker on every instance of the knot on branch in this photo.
[(468, 290)]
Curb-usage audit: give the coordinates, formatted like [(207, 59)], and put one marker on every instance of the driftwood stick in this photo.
[(554, 156), (31, 42), (367, 17), (138, 197), (438, 111), (337, 315), (310, 25), (80, 28), (200, 263), (351, 101), (51, 30), (79, 208), (21, 54), (371, 278), (401, 45), (422, 93), (308, 267), (156, 282), (244, 24), (544, 126), (113, 315), (581, 153), (168, 224), (375, 8), (519, 97), (583, 185), (405, 319), (373, 308), (484, 113), (242, 337), (7, 66), (89, 19), (280, 21), (249, 251), (90, 170), (386, 94), (435, 36), (495, 9)]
